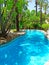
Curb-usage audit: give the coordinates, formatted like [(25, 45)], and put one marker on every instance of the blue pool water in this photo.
[(32, 48)]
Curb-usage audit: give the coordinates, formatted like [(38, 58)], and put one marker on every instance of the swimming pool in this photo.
[(32, 48)]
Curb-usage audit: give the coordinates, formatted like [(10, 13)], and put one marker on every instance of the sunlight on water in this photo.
[(29, 49)]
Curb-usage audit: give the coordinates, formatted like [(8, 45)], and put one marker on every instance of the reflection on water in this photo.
[(29, 49)]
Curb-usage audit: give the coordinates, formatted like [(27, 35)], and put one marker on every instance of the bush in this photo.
[(48, 19), (28, 25), (37, 25), (35, 19), (45, 26), (43, 17)]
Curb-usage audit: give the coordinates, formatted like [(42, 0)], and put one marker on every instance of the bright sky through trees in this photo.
[(31, 5)]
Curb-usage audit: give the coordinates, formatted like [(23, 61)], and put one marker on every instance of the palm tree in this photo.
[(0, 12), (17, 19), (45, 6), (19, 15), (40, 3), (5, 26), (36, 2), (41, 12)]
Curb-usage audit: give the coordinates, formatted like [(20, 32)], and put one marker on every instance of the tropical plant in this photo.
[(45, 26), (10, 11), (45, 5)]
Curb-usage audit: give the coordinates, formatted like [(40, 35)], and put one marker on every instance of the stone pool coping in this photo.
[(23, 32), (46, 33)]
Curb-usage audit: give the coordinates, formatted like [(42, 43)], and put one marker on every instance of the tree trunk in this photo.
[(45, 10), (0, 12), (3, 25), (36, 7), (41, 14), (17, 20)]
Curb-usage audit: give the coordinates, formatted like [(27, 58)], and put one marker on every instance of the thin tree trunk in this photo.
[(1, 17), (17, 20), (36, 7), (45, 10), (3, 30), (9, 16), (0, 12), (41, 14)]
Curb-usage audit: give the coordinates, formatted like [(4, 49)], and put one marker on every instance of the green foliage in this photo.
[(21, 4), (43, 17), (35, 19), (36, 25), (9, 4), (27, 18), (1, 1), (47, 15), (33, 12), (28, 24), (13, 26), (13, 16), (48, 19), (45, 26)]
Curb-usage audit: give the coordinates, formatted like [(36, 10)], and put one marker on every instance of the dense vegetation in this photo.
[(14, 14)]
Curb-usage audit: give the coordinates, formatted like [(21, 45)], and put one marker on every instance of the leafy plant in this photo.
[(45, 26)]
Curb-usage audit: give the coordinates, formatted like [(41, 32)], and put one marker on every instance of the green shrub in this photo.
[(48, 19), (28, 25), (37, 25), (35, 19), (43, 17), (13, 26), (45, 26)]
